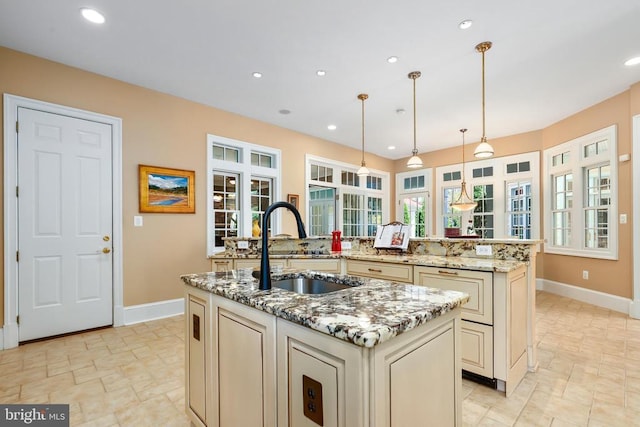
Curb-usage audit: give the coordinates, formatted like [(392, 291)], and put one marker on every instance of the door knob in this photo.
[(106, 250)]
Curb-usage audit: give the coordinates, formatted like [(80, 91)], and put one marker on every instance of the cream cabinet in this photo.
[(231, 372), (380, 270), (250, 368), (494, 321), (413, 379)]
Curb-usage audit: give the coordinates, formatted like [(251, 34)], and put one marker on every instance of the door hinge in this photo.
[(17, 193), (17, 256), (17, 126), (18, 319)]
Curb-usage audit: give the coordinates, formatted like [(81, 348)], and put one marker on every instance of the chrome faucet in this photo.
[(265, 269)]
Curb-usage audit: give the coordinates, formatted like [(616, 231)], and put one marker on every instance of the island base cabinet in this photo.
[(411, 380), (196, 349)]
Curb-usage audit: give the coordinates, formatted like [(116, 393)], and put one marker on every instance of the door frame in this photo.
[(10, 332), (634, 307)]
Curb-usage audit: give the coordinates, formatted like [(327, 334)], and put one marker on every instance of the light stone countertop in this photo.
[(368, 313)]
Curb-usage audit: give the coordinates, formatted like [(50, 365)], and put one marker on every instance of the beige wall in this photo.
[(163, 130), (167, 131)]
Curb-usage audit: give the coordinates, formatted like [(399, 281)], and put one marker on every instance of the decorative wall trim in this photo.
[(153, 311), (600, 299)]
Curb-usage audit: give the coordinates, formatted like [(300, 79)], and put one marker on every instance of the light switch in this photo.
[(137, 221), (623, 218), (243, 244)]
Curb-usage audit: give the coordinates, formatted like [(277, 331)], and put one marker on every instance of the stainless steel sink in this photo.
[(307, 285)]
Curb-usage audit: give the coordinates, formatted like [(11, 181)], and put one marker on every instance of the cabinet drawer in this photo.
[(255, 263), (381, 270), (478, 284), (326, 265), (221, 264), (477, 348)]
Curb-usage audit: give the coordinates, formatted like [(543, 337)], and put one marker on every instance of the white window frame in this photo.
[(577, 165), (245, 171), (499, 179), (425, 191), (338, 168)]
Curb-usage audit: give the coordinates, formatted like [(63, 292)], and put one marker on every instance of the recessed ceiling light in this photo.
[(632, 61), (321, 73), (332, 127), (92, 15), (392, 59), (391, 147), (256, 74), (467, 23), (284, 111)]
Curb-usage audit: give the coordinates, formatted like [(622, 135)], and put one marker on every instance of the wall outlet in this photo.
[(585, 274), (346, 246), (484, 250), (137, 221), (243, 244), (623, 218)]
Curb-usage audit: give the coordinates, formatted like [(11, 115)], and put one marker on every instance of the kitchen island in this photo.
[(378, 353), (498, 322)]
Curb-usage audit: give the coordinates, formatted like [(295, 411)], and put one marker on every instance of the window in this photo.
[(354, 205), (506, 190), (519, 208), (581, 175), (242, 181), (483, 213), (413, 190)]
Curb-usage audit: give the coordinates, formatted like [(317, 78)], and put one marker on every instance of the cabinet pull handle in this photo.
[(451, 273), (221, 262), (375, 270)]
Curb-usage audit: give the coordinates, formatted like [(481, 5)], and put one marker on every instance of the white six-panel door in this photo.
[(65, 274)]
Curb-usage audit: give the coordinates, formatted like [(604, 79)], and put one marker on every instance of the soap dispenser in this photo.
[(336, 242)]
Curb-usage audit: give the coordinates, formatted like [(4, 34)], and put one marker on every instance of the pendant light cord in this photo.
[(414, 117), (362, 98)]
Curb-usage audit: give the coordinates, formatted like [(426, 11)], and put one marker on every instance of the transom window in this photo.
[(582, 177)]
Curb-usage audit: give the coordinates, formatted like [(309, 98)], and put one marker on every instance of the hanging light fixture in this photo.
[(363, 171), (414, 161), (484, 149), (463, 202)]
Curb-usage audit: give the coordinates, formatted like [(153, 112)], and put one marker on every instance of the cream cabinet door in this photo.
[(381, 270), (478, 284)]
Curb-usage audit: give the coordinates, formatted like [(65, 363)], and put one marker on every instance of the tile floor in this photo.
[(589, 374)]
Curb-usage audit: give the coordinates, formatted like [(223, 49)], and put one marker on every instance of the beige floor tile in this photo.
[(589, 374)]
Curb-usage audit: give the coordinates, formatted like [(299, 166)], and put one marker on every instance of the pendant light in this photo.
[(414, 161), (484, 149), (363, 171), (463, 202)]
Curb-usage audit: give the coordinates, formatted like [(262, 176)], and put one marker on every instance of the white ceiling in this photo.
[(550, 59)]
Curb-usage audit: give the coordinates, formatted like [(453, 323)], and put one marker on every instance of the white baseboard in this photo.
[(600, 299), (634, 309), (1, 339), (153, 311), (9, 336)]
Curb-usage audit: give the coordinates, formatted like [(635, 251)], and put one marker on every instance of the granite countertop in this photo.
[(371, 312), (460, 262)]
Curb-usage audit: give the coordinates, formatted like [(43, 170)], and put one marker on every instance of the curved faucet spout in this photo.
[(265, 268)]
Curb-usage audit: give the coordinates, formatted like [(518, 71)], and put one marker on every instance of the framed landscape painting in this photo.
[(165, 190)]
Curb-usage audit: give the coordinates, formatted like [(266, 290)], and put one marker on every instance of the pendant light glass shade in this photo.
[(463, 202), (414, 161), (363, 171), (484, 149)]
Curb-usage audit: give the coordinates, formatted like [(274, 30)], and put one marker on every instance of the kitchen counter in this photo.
[(371, 312)]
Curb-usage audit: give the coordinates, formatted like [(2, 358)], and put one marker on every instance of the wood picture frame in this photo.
[(294, 199), (166, 190)]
